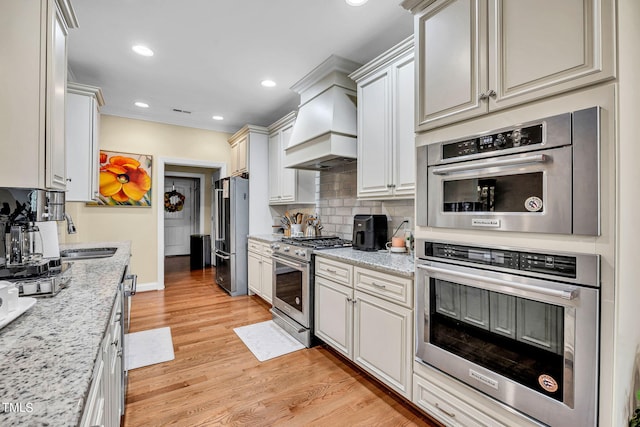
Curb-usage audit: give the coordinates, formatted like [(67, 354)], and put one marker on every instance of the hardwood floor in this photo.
[(215, 380)]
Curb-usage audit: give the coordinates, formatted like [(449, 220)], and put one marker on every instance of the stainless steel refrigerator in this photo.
[(232, 228)]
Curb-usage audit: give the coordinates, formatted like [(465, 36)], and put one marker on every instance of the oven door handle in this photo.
[(517, 161), (554, 293), (289, 263)]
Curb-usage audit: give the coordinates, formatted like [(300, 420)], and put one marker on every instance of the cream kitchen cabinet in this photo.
[(104, 402), (287, 185), (260, 265), (456, 405), (368, 317), (33, 34), (83, 147), (386, 144), (239, 154), (478, 56)]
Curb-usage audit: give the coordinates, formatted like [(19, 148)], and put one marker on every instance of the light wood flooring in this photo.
[(215, 380)]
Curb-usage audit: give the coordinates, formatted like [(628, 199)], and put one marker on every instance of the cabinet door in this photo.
[(274, 167), (404, 146), (374, 135), (267, 279), (55, 172), (452, 62), (288, 177), (254, 273), (81, 148), (383, 341), (545, 47), (243, 151), (333, 316)]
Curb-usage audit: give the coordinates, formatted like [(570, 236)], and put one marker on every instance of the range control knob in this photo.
[(516, 137), (286, 248), (275, 246), (500, 141), (303, 254)]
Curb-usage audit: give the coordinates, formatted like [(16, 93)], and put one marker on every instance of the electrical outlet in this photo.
[(408, 225)]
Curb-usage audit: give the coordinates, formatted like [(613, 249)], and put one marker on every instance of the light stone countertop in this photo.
[(394, 263), (47, 354), (267, 238), (401, 264)]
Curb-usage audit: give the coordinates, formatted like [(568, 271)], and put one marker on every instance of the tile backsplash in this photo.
[(337, 203)]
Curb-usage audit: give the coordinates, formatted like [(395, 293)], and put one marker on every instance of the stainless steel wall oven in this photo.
[(540, 176), (519, 325)]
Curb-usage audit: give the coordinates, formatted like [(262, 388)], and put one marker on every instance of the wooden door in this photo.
[(404, 146), (179, 225)]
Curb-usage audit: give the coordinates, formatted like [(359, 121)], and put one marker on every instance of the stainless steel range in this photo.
[(293, 283)]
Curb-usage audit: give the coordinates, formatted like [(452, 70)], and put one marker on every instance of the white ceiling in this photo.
[(210, 55)]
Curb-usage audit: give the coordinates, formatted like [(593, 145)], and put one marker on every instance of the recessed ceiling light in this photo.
[(217, 118), (142, 50), (356, 2), (141, 104), (268, 83)]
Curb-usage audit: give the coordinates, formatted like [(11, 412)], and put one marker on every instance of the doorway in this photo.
[(181, 213), (184, 168)]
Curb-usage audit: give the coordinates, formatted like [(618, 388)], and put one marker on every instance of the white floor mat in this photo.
[(148, 348), (267, 340)]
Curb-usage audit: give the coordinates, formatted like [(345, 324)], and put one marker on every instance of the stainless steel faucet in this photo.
[(71, 228)]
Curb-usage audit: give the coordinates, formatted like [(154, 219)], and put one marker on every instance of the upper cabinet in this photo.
[(33, 35), (386, 145), (287, 185), (477, 56), (83, 148)]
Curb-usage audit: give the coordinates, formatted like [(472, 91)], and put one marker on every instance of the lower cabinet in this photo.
[(358, 314), (103, 406), (456, 405), (260, 266)]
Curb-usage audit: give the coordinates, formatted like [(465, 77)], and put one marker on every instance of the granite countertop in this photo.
[(47, 354), (400, 264), (267, 238)]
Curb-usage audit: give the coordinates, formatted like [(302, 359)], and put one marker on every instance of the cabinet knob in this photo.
[(68, 179), (492, 93), (483, 97)]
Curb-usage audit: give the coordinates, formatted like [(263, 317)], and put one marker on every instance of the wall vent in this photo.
[(177, 110)]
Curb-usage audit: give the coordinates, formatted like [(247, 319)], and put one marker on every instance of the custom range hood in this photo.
[(325, 132)]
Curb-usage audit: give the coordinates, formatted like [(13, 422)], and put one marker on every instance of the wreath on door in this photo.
[(173, 201)]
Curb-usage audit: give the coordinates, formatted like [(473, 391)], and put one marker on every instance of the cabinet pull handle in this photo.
[(349, 299), (483, 97), (115, 342), (378, 285), (450, 414), (331, 271), (491, 94)]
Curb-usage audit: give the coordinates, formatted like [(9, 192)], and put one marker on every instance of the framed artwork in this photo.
[(125, 179)]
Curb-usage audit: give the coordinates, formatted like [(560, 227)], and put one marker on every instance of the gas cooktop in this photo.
[(325, 242)]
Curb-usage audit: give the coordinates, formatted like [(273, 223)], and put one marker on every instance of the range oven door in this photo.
[(530, 343), (530, 192), (291, 294)]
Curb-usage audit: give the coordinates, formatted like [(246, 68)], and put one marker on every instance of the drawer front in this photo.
[(266, 250), (392, 288), (334, 270), (254, 246), (447, 408)]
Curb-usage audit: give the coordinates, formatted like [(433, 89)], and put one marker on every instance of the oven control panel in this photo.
[(515, 137), (553, 264)]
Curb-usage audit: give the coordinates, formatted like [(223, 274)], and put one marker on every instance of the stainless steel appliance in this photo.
[(520, 325), (541, 176), (232, 228), (370, 232), (293, 283), (42, 278), (128, 284)]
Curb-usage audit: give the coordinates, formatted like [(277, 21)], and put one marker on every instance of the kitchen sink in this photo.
[(88, 253)]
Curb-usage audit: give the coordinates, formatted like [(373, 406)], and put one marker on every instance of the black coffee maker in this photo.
[(370, 232)]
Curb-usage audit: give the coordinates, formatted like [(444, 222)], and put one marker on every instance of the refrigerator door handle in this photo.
[(219, 211), (220, 254)]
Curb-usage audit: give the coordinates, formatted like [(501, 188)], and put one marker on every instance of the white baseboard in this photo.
[(151, 286)]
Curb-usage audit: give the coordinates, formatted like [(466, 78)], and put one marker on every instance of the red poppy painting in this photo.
[(125, 179)]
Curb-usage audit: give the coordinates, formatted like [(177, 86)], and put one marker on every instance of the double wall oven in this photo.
[(293, 283), (519, 325)]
